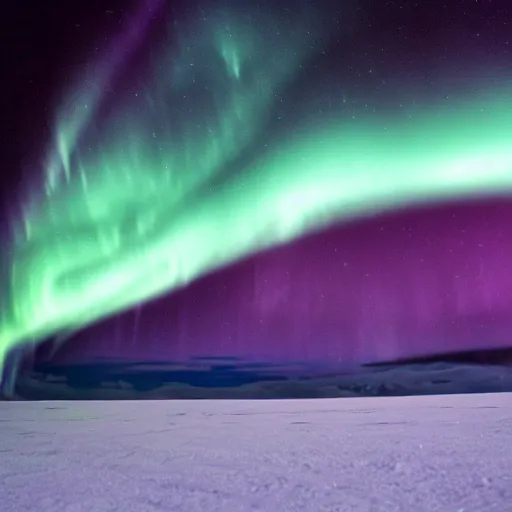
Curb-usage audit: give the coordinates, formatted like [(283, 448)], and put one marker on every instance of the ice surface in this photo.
[(395, 380), (449, 453)]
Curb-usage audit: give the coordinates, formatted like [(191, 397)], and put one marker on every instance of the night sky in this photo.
[(275, 182)]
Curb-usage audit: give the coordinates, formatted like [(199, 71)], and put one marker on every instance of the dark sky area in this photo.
[(42, 43)]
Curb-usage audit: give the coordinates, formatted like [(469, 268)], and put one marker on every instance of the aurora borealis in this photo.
[(166, 168), (408, 283)]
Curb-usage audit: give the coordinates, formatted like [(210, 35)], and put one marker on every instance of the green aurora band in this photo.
[(141, 204)]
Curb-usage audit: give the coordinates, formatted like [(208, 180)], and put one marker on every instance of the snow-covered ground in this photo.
[(450, 453)]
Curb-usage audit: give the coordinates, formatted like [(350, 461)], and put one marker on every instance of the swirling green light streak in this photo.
[(137, 217)]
